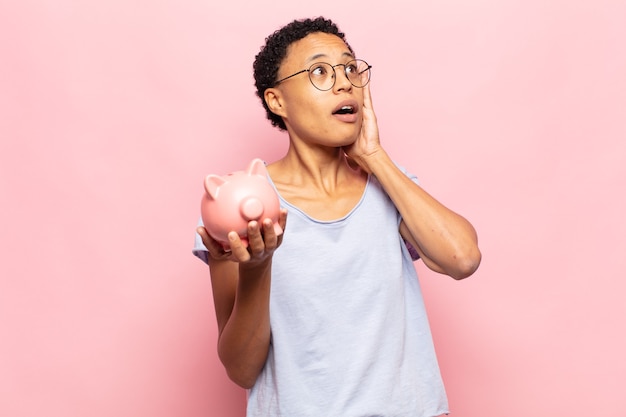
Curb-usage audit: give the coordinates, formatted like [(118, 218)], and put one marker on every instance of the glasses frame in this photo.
[(345, 66)]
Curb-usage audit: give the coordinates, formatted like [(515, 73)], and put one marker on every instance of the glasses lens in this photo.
[(322, 75), (358, 72)]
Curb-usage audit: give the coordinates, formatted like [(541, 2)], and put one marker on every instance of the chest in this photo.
[(323, 205)]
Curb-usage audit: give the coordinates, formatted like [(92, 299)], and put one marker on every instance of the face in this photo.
[(328, 118)]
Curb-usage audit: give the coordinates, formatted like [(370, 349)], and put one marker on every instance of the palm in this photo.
[(367, 143)]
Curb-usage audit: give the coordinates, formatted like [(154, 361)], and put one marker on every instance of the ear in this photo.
[(274, 101), (257, 167), (212, 183)]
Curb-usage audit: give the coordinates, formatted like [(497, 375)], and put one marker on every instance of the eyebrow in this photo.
[(318, 56)]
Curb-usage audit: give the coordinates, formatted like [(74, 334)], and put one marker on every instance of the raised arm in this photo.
[(446, 242)]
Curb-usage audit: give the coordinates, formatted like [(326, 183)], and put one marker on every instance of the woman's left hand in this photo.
[(367, 143)]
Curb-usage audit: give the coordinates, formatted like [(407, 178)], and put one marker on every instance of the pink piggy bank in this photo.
[(231, 201)]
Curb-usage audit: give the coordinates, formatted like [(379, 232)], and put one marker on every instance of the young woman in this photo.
[(328, 318)]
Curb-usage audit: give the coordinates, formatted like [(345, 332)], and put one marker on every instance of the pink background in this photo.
[(111, 112)]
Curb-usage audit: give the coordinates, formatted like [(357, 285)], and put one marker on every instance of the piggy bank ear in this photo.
[(212, 184), (257, 167)]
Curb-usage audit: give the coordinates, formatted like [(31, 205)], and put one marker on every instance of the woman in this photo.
[(328, 318)]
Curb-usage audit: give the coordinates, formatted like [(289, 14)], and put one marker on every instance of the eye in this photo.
[(351, 68), (319, 70)]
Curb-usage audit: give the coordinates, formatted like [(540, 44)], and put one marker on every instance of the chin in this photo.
[(348, 136), (351, 139), (348, 142)]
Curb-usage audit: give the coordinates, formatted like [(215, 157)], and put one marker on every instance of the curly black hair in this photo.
[(272, 54)]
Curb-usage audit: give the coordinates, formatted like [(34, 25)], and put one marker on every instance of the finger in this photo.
[(238, 250), (269, 234), (255, 238), (201, 230), (282, 222), (215, 248), (367, 98), (282, 218)]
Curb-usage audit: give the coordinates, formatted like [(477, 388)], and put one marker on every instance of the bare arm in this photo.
[(241, 288), (446, 242)]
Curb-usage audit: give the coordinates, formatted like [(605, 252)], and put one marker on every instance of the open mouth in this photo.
[(345, 110)]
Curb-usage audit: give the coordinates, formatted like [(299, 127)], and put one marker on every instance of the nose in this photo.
[(251, 208), (341, 79)]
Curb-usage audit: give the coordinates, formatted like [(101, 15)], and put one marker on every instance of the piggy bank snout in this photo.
[(251, 208)]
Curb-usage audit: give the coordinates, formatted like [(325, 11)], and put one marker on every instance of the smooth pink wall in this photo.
[(111, 113)]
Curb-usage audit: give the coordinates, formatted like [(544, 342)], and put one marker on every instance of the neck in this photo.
[(320, 167)]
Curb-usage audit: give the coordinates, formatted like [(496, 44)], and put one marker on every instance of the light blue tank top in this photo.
[(350, 335)]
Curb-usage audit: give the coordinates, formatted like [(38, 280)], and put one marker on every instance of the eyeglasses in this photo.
[(322, 75)]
